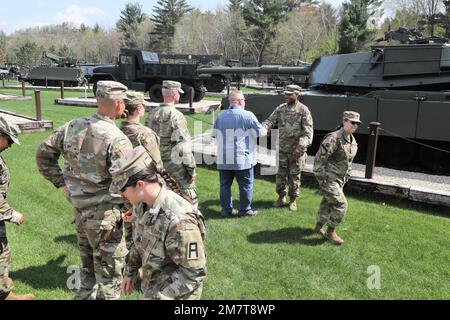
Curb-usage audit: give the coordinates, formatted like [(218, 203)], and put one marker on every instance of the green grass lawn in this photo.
[(272, 256)]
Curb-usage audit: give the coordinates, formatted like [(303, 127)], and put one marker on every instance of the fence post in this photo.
[(372, 149), (37, 98), (62, 89), (23, 89)]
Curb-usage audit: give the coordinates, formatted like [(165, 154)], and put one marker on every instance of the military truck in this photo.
[(145, 71)]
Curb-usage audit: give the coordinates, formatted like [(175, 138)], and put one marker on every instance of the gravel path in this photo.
[(406, 178)]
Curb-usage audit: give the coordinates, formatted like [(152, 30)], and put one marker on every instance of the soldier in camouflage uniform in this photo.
[(90, 146), (295, 125), (8, 136), (139, 135), (176, 146), (168, 233), (332, 168)]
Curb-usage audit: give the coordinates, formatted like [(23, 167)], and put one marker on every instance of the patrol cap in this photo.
[(351, 116), (292, 88), (9, 129), (128, 166), (172, 85), (134, 98), (111, 90)]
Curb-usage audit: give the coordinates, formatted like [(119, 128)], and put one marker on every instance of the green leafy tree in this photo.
[(97, 28), (234, 5), (354, 31), (2, 47), (167, 14), (29, 54), (262, 18), (130, 20), (445, 19), (65, 52)]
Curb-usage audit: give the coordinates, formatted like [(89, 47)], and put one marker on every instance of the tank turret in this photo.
[(405, 87)]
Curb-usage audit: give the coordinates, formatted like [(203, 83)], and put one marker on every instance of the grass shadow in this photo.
[(287, 235), (70, 239), (52, 275), (211, 208)]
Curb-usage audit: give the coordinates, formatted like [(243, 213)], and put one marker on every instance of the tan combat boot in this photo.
[(333, 237), (319, 230), (12, 296), (281, 202), (293, 204)]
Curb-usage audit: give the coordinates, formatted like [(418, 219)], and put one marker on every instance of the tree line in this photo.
[(255, 32)]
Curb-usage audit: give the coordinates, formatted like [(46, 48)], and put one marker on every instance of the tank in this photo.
[(404, 87), (63, 69)]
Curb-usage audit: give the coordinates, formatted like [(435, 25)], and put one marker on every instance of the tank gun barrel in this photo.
[(301, 70)]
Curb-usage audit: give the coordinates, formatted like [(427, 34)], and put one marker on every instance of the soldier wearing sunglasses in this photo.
[(332, 168)]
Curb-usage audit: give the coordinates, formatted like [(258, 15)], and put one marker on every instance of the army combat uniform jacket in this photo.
[(89, 146), (171, 127), (169, 245), (334, 159), (295, 126), (141, 135), (6, 212)]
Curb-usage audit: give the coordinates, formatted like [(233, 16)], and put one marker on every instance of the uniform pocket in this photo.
[(103, 220)]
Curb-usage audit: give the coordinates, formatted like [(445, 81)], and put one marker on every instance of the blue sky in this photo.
[(14, 16)]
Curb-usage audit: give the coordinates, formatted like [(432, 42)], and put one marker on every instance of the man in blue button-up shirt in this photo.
[(236, 131)]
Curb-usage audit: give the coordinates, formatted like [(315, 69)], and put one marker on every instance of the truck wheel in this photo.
[(199, 94), (215, 84), (184, 97), (155, 93)]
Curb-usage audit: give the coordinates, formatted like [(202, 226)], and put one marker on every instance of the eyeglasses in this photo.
[(355, 123)]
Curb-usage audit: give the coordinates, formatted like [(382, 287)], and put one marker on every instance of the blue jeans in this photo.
[(245, 181)]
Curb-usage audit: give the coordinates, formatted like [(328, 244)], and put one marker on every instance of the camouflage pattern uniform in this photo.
[(140, 135), (7, 214), (295, 126), (90, 146), (332, 168), (168, 240), (176, 146)]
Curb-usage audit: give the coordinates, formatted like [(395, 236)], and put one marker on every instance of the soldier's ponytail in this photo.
[(151, 175)]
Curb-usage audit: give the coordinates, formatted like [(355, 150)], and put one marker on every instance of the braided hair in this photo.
[(151, 175)]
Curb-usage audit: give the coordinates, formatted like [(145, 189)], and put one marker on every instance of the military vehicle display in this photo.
[(9, 71), (62, 69), (404, 87), (144, 71)]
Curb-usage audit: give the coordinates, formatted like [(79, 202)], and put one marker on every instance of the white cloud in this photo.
[(77, 15)]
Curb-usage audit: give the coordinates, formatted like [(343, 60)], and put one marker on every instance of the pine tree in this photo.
[(29, 55), (130, 19), (234, 5), (262, 18), (354, 32), (167, 14)]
